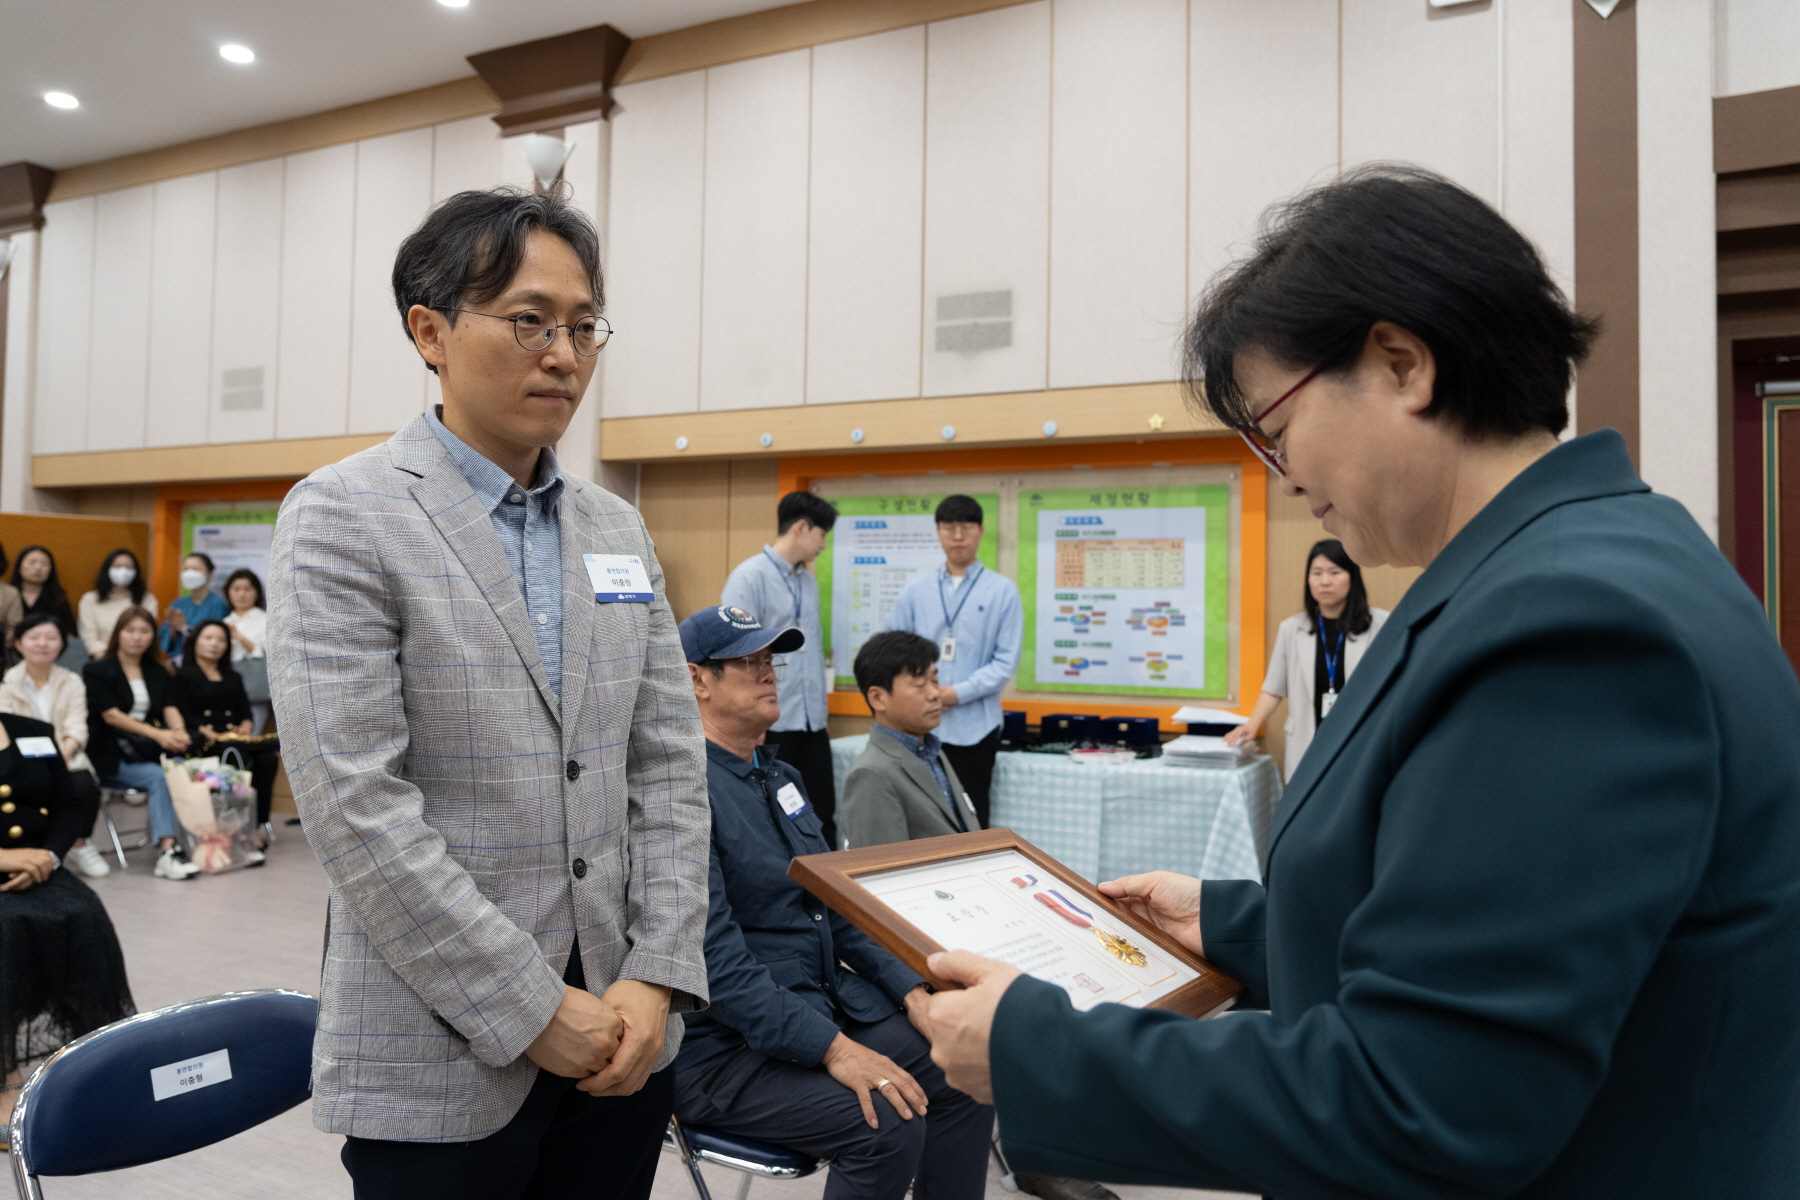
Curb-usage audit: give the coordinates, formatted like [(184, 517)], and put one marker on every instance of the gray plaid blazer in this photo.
[(451, 798)]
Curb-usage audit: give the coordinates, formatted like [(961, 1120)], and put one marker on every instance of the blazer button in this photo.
[(580, 868), (44, 811), (574, 770), (5, 790), (16, 832), (7, 807)]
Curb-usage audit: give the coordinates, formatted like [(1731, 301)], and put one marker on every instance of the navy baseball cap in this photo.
[(726, 632)]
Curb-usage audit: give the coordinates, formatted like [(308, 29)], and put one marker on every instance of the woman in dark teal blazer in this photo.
[(1530, 924)]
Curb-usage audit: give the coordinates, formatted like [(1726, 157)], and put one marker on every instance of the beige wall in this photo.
[(705, 518)]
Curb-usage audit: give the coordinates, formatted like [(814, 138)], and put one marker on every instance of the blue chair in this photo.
[(754, 1160), (163, 1083)]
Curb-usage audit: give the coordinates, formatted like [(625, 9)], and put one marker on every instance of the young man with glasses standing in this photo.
[(778, 585), (975, 618), (495, 750)]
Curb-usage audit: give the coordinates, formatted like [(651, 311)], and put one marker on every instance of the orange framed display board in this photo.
[(802, 473), (171, 501)]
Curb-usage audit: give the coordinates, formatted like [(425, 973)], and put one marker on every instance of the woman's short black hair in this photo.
[(244, 573), (890, 653), (468, 249), (53, 597), (959, 509), (1405, 245), (816, 511), (205, 558), (32, 620), (1356, 617), (103, 584)]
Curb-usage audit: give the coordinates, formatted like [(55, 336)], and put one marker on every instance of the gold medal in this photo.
[(1120, 949)]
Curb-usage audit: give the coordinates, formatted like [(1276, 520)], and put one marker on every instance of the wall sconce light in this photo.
[(546, 156), (7, 249)]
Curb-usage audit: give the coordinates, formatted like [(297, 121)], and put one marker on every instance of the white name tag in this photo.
[(947, 649), (618, 577), (37, 747), (178, 1079), (791, 801), (1325, 703)]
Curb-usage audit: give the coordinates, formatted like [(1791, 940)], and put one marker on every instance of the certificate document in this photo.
[(1002, 905)]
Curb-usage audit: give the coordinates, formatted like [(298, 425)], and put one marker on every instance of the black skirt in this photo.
[(61, 971)]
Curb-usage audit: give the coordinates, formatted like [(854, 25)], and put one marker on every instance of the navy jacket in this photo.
[(1531, 918), (783, 971)]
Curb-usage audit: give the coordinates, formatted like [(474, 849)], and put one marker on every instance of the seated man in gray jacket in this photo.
[(902, 786)]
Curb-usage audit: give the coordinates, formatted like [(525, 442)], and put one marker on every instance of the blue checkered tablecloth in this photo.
[(1107, 821)]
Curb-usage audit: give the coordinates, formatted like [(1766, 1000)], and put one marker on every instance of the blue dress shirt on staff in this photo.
[(782, 595), (986, 618), (526, 523)]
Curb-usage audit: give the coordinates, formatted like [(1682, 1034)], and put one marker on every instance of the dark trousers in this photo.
[(562, 1144), (87, 800), (975, 767), (943, 1154), (808, 751)]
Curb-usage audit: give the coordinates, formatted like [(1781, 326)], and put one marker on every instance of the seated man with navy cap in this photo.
[(814, 1038)]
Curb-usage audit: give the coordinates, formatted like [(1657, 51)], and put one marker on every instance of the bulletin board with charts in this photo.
[(1129, 577), (233, 534)]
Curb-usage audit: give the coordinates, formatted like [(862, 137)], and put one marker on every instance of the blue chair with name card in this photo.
[(163, 1083), (753, 1160)]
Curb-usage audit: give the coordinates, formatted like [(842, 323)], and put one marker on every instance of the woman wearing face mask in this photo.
[(213, 705), (200, 604), (39, 688), (41, 591), (132, 723), (249, 624), (1315, 650), (119, 586)]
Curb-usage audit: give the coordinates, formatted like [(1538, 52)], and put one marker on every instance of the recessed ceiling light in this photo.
[(61, 100), (237, 54), (454, 3)]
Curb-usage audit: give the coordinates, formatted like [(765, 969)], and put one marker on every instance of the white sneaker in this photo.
[(87, 861), (173, 864)]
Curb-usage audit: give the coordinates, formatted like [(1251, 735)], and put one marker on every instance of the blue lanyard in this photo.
[(968, 585), (1331, 660), (789, 576)]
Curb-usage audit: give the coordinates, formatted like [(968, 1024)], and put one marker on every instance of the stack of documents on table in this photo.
[(1193, 750)]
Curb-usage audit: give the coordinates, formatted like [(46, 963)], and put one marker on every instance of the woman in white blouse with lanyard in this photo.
[(1315, 650)]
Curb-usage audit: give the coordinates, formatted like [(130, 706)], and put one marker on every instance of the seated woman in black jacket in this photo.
[(61, 972), (213, 704)]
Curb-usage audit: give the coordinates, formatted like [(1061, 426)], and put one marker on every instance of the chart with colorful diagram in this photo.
[(1126, 590)]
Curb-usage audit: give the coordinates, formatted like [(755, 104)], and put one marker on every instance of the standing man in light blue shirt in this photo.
[(975, 617), (779, 588)]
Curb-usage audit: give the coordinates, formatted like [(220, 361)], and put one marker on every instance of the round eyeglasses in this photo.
[(535, 330)]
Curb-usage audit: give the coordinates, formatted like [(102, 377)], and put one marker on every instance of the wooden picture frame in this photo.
[(833, 879)]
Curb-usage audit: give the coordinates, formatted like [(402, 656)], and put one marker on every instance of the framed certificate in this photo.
[(996, 894)]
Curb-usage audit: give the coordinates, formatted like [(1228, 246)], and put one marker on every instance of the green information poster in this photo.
[(1126, 590), (877, 547), (233, 535)]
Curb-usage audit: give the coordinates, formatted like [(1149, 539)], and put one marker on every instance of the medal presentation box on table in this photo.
[(994, 893)]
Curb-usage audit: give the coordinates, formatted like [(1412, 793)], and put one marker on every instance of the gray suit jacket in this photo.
[(890, 796), (472, 825)]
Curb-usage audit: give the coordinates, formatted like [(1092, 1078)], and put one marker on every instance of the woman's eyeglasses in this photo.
[(1260, 443)]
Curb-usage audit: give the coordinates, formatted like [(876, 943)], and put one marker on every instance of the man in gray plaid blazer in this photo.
[(486, 716)]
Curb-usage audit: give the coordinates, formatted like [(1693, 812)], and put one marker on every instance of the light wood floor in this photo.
[(263, 928)]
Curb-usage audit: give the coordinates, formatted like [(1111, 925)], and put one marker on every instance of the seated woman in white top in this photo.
[(119, 586), (249, 624), (38, 687), (1309, 670)]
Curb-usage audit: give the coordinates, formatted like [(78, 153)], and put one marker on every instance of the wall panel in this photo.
[(1263, 118), (1539, 130), (118, 366), (317, 235), (65, 326), (393, 193), (465, 156), (866, 218), (655, 230), (1118, 190), (246, 303), (1441, 109), (1757, 46), (753, 281), (684, 506), (181, 311), (987, 201)]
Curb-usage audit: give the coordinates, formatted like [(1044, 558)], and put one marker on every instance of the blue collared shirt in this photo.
[(779, 595), (926, 750), (527, 525), (989, 627)]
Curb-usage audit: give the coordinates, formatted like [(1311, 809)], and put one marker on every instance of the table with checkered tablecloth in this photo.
[(1103, 821)]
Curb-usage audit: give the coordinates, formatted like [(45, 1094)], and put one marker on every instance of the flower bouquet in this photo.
[(216, 803)]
